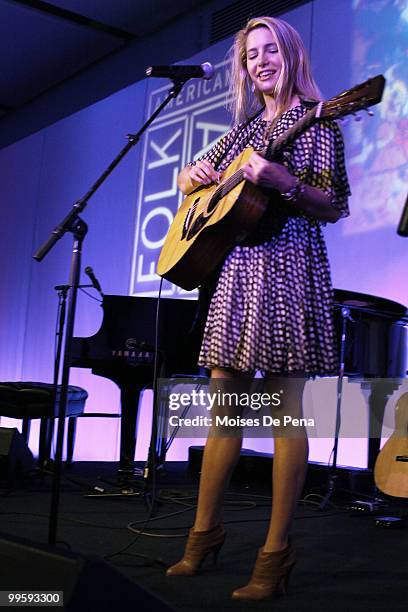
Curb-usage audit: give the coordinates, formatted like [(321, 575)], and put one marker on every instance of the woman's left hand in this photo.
[(265, 173)]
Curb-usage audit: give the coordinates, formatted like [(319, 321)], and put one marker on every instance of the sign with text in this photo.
[(189, 126)]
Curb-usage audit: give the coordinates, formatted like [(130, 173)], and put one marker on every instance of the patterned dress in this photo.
[(272, 307)]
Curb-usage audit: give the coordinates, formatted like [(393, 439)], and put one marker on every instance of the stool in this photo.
[(33, 400)]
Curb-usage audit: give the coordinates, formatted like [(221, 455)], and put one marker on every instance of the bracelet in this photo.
[(295, 192)]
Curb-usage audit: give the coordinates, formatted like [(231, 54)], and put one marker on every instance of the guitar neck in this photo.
[(359, 97), (273, 149)]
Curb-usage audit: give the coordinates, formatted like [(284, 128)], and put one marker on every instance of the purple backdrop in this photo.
[(44, 174)]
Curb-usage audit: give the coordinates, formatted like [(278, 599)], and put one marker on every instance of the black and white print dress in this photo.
[(272, 307)]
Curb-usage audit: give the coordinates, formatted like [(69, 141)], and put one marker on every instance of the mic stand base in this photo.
[(331, 490)]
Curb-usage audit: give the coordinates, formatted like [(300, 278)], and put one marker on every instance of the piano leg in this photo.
[(129, 398)]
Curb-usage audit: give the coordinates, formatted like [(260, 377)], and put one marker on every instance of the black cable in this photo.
[(90, 295), (152, 449), (150, 561), (183, 414), (330, 456), (67, 519), (185, 528)]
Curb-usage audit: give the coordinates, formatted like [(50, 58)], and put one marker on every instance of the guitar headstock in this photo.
[(359, 97)]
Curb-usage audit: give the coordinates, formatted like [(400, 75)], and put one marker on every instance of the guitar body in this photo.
[(391, 467), (208, 224)]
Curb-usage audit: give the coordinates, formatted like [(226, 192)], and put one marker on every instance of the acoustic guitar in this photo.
[(391, 467), (213, 219)]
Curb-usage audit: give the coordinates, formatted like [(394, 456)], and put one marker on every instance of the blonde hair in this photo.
[(295, 77)]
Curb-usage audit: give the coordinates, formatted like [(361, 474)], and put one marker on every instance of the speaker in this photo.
[(87, 583), (15, 456)]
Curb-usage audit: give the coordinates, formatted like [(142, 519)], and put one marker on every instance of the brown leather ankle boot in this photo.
[(270, 576), (199, 545)]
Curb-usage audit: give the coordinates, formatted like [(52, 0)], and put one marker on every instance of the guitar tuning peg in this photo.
[(369, 112), (357, 117)]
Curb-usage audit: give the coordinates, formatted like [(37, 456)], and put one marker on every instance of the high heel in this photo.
[(199, 545), (270, 576)]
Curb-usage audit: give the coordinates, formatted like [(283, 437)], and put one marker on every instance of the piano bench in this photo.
[(33, 400)]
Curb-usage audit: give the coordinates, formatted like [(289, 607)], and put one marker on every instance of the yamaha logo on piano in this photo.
[(134, 356)]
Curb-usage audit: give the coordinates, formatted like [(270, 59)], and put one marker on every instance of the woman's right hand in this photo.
[(203, 173)]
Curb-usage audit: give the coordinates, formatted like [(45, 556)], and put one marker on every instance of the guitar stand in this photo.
[(332, 486), (333, 476)]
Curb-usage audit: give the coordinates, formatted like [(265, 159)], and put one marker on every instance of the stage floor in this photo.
[(344, 562)]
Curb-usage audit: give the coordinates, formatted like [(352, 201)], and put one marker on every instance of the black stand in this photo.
[(62, 294), (403, 223), (79, 230), (74, 224), (345, 313)]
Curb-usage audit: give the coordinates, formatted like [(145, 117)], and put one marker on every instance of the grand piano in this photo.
[(376, 353), (123, 351)]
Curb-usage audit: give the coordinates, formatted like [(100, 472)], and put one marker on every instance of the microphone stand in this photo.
[(75, 225), (403, 223)]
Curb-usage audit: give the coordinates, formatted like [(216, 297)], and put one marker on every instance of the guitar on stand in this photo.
[(391, 467), (213, 219)]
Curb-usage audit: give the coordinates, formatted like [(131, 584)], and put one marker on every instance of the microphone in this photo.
[(95, 283), (182, 73)]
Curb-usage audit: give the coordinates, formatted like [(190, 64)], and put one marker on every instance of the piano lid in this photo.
[(380, 305)]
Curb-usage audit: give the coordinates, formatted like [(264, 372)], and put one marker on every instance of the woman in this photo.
[(271, 309)]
